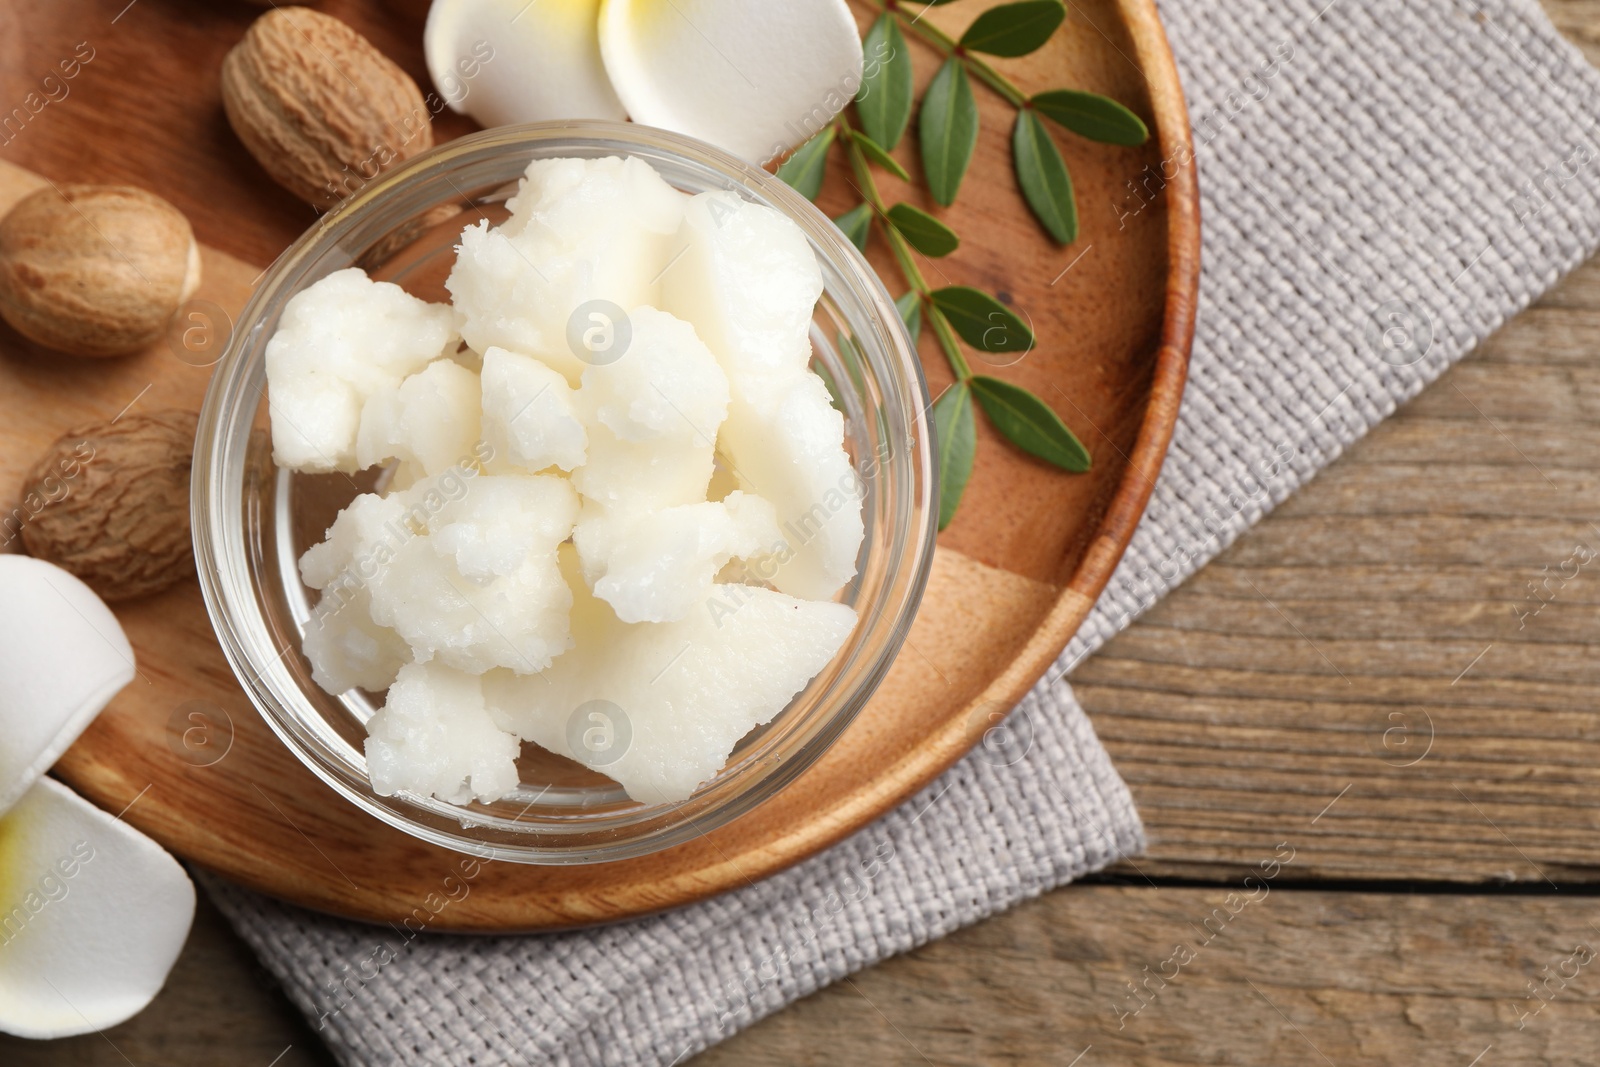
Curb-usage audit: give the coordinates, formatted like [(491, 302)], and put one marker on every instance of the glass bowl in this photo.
[(253, 521)]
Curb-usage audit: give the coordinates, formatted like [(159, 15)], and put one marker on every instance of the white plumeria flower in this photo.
[(92, 912), (756, 79), (510, 61)]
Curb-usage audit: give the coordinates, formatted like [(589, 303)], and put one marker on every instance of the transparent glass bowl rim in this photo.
[(224, 577)]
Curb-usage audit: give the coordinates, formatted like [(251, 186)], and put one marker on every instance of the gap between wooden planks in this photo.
[(1364, 642), (1400, 563), (1370, 978)]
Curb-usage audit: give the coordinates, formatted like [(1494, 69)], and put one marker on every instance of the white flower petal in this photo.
[(510, 61), (754, 78), (92, 916), (63, 656)]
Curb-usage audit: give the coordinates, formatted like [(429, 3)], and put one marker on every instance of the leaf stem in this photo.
[(948, 45), (902, 255), (947, 339)]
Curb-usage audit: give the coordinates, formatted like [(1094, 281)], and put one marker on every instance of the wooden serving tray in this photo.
[(1013, 576)]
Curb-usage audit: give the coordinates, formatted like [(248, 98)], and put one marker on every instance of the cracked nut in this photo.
[(319, 107), (117, 504)]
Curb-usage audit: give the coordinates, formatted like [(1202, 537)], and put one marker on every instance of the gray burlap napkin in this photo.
[(1384, 183)]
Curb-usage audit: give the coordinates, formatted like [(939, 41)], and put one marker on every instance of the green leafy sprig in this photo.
[(949, 123), (948, 133)]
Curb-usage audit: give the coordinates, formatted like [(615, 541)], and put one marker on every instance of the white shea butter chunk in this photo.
[(746, 277), (793, 455), (530, 415), (541, 560), (479, 587), (644, 476), (587, 239), (658, 567), (748, 281), (341, 559), (653, 416), (650, 542), (433, 737), (672, 699), (501, 522), (665, 385), (346, 648), (429, 421), (578, 203), (340, 342)]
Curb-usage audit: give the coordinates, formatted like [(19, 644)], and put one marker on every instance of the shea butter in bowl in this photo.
[(491, 505)]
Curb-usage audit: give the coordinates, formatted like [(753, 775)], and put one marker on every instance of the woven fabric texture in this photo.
[(1383, 185)]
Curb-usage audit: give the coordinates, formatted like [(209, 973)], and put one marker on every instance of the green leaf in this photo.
[(1014, 29), (1091, 115), (982, 321), (1028, 423), (925, 233), (948, 129), (1043, 176), (911, 313), (856, 224), (884, 102), (956, 439), (803, 170), (874, 151)]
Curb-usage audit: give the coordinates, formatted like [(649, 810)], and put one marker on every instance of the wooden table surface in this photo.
[(1351, 678)]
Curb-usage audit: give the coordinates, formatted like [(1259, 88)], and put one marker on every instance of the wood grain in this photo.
[(147, 109), (1322, 652), (1127, 367), (1011, 582), (1298, 977), (1371, 977)]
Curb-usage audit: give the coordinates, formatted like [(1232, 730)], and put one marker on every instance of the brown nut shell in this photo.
[(319, 107), (110, 504), (95, 270)]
